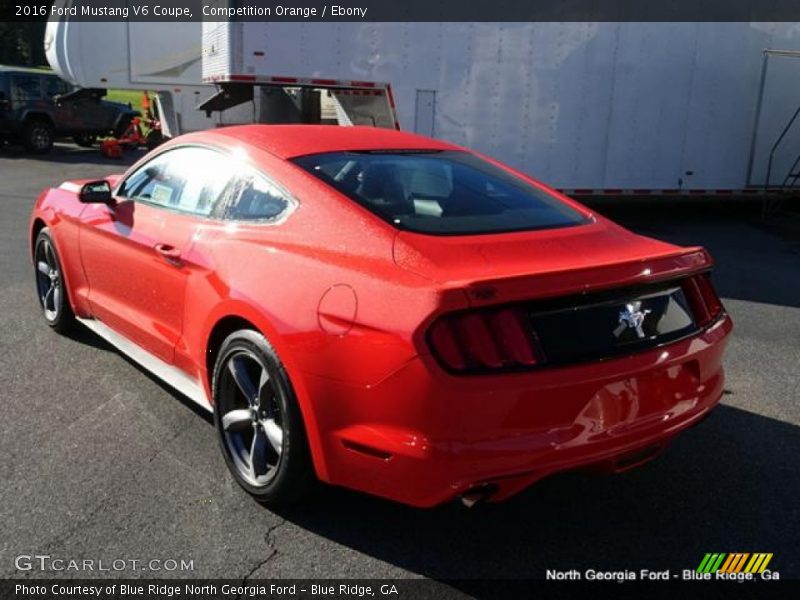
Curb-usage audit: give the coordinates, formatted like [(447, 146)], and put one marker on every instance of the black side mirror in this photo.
[(96, 192)]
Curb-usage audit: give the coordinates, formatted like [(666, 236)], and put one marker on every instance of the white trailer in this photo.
[(587, 107), (163, 58)]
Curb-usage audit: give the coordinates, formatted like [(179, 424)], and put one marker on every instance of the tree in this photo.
[(22, 43)]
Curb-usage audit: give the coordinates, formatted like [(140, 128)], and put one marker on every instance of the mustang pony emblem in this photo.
[(632, 317)]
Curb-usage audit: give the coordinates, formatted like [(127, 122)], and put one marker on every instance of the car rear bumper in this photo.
[(423, 437)]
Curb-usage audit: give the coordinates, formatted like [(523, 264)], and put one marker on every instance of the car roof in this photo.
[(290, 141)]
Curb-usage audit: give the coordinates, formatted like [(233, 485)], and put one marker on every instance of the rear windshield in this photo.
[(440, 192)]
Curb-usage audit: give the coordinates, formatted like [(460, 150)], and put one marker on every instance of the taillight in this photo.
[(485, 340), (705, 304)]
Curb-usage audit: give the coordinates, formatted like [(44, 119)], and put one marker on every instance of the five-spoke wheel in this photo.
[(50, 287), (251, 418), (258, 420)]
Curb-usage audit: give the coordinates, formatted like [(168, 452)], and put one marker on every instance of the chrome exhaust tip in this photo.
[(478, 494)]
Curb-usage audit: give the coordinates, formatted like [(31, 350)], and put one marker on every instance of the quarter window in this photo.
[(254, 198)]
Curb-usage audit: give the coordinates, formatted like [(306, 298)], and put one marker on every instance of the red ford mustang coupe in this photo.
[(384, 311)]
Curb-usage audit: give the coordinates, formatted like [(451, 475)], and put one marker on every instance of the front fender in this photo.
[(59, 210)]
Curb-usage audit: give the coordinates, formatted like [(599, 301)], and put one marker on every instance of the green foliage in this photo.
[(132, 97), (22, 44)]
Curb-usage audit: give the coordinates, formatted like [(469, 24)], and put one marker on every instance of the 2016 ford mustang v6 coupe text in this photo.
[(384, 311)]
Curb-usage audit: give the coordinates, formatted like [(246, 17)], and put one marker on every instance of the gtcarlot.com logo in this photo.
[(45, 562)]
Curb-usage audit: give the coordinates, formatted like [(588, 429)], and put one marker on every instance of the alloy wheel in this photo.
[(251, 418), (48, 280), (40, 137)]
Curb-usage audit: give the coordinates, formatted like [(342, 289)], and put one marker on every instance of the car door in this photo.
[(26, 94), (64, 118), (136, 254)]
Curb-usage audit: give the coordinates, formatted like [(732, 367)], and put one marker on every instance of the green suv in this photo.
[(36, 107)]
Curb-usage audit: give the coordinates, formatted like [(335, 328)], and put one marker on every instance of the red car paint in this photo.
[(348, 302)]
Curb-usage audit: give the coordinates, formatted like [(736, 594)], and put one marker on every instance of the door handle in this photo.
[(169, 253)]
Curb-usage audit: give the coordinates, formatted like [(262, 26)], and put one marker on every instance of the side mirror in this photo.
[(96, 192)]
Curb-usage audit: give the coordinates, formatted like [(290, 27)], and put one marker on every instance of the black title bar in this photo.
[(403, 10), (380, 589)]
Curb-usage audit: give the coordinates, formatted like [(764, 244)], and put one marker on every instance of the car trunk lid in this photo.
[(510, 267)]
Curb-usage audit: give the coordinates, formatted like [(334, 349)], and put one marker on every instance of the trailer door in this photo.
[(776, 131)]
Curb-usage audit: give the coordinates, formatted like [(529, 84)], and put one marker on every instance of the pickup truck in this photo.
[(36, 107)]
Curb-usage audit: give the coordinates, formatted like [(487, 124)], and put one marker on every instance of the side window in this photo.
[(189, 180), (53, 86), (149, 182), (25, 88), (254, 198)]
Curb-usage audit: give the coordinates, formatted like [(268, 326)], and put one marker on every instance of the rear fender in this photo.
[(242, 310)]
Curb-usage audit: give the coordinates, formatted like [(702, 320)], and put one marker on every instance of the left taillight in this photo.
[(703, 299), (485, 341)]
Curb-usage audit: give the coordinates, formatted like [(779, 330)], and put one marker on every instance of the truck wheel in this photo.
[(154, 139), (122, 127), (85, 140), (37, 136)]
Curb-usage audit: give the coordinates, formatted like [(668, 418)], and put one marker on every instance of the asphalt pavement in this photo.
[(100, 461)]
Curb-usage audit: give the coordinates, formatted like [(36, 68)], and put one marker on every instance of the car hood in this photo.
[(544, 262)]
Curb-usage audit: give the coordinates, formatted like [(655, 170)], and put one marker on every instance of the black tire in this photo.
[(154, 139), (85, 140), (38, 136), (248, 441), (50, 287), (122, 126)]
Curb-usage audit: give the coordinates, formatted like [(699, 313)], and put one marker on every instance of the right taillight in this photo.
[(705, 303), (486, 340)]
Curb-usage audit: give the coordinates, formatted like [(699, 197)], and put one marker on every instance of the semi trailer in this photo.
[(595, 108), (591, 108)]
